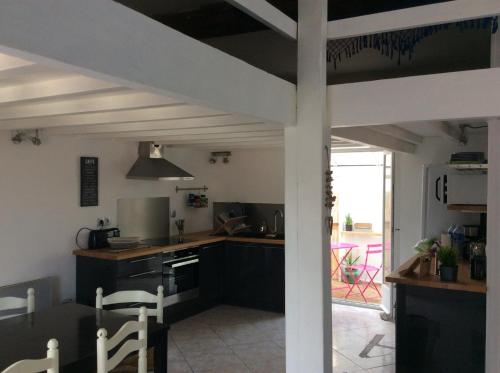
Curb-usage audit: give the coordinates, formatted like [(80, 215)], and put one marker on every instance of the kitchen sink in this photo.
[(278, 236)]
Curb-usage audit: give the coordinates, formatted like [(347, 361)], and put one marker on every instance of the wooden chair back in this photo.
[(132, 296), (105, 344), (12, 303), (50, 364)]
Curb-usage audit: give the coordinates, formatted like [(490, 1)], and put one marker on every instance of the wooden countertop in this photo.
[(464, 282), (195, 239)]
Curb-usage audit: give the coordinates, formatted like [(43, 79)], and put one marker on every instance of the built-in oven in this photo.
[(181, 275)]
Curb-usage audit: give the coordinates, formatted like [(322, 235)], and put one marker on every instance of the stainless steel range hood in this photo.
[(152, 166)]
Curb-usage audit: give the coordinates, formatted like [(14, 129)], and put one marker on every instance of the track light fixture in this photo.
[(20, 136), (224, 155)]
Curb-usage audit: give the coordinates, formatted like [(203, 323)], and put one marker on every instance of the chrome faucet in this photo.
[(276, 213)]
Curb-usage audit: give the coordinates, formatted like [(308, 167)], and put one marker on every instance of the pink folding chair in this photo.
[(370, 270)]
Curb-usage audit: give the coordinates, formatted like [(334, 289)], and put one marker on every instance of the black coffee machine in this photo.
[(98, 239)]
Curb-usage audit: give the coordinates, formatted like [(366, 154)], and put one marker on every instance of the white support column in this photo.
[(307, 258), (493, 239)]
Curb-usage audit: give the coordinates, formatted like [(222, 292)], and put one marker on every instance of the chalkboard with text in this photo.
[(89, 181)]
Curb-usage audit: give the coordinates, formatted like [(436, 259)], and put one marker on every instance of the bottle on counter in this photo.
[(458, 242)]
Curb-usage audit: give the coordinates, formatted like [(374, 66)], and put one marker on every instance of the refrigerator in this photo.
[(442, 186)]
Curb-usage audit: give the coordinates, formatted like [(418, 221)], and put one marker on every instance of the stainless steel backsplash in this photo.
[(144, 217)]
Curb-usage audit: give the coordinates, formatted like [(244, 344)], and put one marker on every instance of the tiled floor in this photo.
[(340, 290), (233, 340)]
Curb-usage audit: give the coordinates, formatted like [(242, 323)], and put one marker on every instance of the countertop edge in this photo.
[(197, 239), (464, 283)]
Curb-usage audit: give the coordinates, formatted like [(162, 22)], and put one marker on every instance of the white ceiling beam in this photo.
[(13, 71), (437, 97), (110, 102), (448, 132), (369, 137), (135, 115), (247, 128), (399, 133), (419, 16), (269, 15), (230, 141), (225, 146), (10, 62), (222, 120), (47, 90), (109, 41), (211, 137)]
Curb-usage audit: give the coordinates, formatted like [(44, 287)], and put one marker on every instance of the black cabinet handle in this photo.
[(142, 274), (142, 260)]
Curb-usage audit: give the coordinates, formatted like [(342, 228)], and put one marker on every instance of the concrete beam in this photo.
[(419, 16), (106, 40), (374, 138), (269, 15)]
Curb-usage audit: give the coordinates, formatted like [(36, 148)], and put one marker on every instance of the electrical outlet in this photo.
[(102, 222)]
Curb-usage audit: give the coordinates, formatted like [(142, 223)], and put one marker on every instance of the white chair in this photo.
[(132, 296), (50, 364), (104, 345), (11, 303)]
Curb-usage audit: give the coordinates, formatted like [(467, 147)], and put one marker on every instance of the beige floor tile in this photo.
[(217, 363), (202, 346), (178, 366)]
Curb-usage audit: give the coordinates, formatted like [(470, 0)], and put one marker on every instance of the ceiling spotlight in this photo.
[(224, 155), (21, 136)]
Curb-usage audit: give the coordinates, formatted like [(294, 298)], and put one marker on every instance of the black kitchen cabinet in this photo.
[(211, 273), (236, 273), (255, 276), (143, 273)]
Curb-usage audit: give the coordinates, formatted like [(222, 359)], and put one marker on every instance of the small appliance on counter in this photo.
[(98, 238), (478, 260)]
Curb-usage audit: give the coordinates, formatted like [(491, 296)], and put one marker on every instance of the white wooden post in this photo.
[(53, 355), (307, 258), (30, 308), (98, 298), (102, 351), (159, 305), (143, 336)]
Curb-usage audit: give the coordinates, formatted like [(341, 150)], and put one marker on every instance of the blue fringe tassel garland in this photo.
[(398, 43)]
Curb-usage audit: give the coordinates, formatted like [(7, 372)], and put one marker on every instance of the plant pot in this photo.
[(448, 273), (349, 275), (348, 227)]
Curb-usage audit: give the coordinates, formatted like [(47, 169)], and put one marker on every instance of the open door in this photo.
[(388, 233)]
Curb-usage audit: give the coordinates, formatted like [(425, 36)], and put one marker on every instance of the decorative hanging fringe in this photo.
[(398, 43)]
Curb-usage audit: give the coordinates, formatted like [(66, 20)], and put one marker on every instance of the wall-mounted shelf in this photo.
[(204, 188), (482, 209), (470, 167)]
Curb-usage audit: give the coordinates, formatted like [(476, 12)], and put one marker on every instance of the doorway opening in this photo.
[(361, 240)]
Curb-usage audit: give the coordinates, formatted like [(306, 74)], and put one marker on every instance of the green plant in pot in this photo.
[(448, 258), (348, 223), (350, 274)]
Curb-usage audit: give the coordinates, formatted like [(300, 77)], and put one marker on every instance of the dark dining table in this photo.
[(75, 327)]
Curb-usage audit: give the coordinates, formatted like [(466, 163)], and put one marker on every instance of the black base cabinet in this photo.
[(239, 274), (439, 331), (255, 276)]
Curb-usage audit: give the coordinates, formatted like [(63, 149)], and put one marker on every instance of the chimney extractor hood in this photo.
[(152, 166)]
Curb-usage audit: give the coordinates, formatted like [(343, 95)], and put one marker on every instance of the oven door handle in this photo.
[(182, 264), (180, 259)]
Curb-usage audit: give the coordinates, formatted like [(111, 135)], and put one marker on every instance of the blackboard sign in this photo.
[(89, 181)]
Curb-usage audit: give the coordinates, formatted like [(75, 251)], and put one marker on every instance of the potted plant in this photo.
[(448, 269), (348, 223), (350, 274)]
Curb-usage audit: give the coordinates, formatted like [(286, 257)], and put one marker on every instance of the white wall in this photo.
[(408, 187), (39, 197)]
